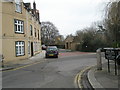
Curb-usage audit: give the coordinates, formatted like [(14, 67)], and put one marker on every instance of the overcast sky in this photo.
[(70, 15)]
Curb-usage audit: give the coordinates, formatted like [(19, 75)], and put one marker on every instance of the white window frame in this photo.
[(20, 48), (19, 26), (34, 47), (29, 47), (18, 6)]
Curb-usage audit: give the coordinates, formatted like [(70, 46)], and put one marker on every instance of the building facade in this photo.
[(0, 30), (21, 35), (71, 43)]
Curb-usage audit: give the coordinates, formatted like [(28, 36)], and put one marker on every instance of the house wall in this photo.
[(73, 46), (70, 43), (8, 34), (1, 28), (31, 21), (9, 37)]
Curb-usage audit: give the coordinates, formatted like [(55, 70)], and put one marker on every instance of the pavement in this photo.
[(37, 58), (97, 78), (102, 78)]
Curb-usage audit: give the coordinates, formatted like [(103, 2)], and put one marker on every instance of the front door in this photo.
[(32, 49)]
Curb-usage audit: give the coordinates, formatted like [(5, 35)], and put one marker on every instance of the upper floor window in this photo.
[(31, 31), (19, 26), (35, 32), (18, 6), (38, 35)]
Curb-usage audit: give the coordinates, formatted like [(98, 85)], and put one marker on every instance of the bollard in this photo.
[(99, 62)]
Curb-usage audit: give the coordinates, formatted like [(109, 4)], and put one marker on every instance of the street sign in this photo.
[(110, 54)]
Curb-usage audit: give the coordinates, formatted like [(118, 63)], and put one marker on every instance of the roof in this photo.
[(72, 39), (69, 39)]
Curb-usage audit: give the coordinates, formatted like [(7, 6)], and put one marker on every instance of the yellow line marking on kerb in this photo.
[(75, 80), (78, 77), (23, 66)]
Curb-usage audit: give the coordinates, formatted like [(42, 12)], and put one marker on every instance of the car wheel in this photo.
[(57, 56)]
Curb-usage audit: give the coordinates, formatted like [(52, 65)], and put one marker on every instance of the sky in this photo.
[(70, 15)]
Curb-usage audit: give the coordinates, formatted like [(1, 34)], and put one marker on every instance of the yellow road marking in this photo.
[(23, 66), (75, 80), (78, 77)]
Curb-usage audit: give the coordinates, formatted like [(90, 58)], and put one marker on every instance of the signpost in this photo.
[(111, 54)]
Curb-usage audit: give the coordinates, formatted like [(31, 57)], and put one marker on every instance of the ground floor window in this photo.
[(28, 47), (20, 48), (36, 46)]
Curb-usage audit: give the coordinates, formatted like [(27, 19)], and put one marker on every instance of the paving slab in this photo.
[(102, 78)]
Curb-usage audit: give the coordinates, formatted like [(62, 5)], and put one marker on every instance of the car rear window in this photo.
[(49, 49)]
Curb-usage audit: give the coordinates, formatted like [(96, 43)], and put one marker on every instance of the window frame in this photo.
[(31, 30), (29, 47), (19, 4), (19, 24), (22, 51)]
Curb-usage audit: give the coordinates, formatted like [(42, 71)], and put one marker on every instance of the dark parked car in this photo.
[(52, 51)]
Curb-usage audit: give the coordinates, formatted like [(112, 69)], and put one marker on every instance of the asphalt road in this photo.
[(52, 73)]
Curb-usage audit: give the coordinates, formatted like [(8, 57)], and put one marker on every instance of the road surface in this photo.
[(52, 73)]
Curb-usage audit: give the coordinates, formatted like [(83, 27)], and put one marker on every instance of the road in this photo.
[(52, 73)]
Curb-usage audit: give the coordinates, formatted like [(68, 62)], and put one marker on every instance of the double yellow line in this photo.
[(78, 78)]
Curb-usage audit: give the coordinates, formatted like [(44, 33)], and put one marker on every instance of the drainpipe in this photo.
[(2, 61)]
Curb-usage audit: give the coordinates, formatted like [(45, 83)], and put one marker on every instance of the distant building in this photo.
[(71, 43), (20, 25)]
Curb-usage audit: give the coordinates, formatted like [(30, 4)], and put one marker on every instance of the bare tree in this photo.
[(48, 33), (112, 23), (90, 37), (59, 40)]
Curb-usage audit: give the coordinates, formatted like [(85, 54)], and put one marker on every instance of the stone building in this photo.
[(20, 35), (71, 43)]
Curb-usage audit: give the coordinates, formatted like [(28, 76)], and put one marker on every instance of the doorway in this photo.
[(32, 49)]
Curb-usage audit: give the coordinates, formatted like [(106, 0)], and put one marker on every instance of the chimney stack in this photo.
[(34, 8), (34, 5)]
